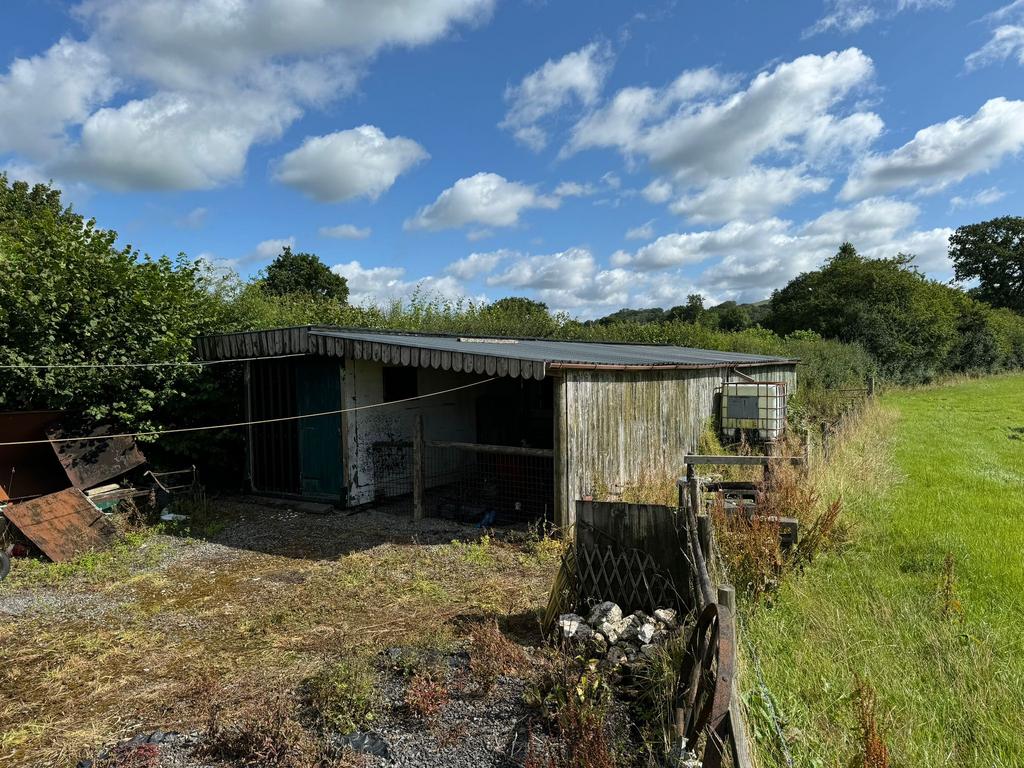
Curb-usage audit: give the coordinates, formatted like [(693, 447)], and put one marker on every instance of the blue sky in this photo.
[(593, 155)]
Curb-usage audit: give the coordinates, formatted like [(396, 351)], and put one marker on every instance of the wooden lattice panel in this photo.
[(628, 577)]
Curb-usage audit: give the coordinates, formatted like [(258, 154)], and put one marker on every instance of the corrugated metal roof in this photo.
[(554, 351), (519, 358)]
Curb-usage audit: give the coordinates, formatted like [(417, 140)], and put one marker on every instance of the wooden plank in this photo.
[(510, 450), (247, 383), (565, 513), (741, 460), (63, 524), (418, 475)]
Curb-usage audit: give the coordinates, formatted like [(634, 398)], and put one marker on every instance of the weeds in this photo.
[(261, 734), (750, 548), (343, 694), (491, 654), (951, 607), (657, 683), (874, 753), (477, 553), (131, 756), (426, 696), (573, 700), (820, 534), (134, 551)]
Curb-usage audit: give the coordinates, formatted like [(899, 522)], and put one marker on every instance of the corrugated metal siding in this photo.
[(620, 426)]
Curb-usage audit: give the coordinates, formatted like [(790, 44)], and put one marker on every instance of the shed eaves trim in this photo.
[(516, 357)]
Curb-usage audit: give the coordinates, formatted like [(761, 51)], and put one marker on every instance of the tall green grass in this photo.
[(925, 603)]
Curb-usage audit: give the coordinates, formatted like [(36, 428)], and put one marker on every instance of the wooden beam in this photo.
[(511, 450), (418, 475), (689, 460)]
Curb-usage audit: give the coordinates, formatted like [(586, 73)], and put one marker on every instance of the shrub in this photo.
[(874, 752), (573, 700)]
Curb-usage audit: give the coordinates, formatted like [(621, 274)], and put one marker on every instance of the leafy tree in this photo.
[(303, 273), (690, 312), (518, 316), (907, 322), (992, 252), (626, 315), (70, 295), (732, 316)]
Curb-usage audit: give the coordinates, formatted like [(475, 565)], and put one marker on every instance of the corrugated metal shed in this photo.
[(517, 357)]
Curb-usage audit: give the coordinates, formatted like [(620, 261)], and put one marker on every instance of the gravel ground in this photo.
[(473, 730)]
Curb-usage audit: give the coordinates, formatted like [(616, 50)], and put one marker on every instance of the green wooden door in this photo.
[(318, 389)]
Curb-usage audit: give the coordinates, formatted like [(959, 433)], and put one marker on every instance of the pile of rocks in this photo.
[(618, 639)]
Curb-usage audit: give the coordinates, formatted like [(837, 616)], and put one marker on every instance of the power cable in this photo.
[(179, 430)]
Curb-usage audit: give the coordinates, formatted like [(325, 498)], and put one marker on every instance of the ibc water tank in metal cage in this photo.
[(755, 409)]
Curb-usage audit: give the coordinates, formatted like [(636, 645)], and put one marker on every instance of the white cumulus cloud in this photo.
[(576, 77), (643, 232), (346, 232), (853, 15), (982, 197), (271, 249), (944, 153), (200, 82), (485, 198), (477, 264), (360, 162), (754, 195), (374, 286)]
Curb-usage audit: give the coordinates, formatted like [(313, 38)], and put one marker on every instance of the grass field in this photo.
[(925, 602)]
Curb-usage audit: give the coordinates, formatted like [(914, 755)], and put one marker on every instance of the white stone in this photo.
[(572, 627), (604, 612), (645, 634), (667, 616)]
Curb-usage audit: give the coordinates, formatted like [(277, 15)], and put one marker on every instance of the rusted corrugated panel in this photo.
[(89, 463), (63, 525)]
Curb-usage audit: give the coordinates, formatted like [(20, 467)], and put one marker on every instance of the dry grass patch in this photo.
[(138, 647)]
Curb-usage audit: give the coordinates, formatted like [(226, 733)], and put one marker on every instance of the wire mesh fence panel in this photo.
[(478, 484), (392, 469)]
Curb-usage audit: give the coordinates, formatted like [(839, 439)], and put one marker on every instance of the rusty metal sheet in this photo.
[(89, 463), (63, 525)]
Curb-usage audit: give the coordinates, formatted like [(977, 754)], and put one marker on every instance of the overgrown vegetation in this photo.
[(71, 295), (902, 646), (573, 699)]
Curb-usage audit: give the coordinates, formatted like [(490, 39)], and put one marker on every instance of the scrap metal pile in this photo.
[(54, 489)]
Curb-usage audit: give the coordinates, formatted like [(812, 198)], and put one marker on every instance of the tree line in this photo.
[(71, 295)]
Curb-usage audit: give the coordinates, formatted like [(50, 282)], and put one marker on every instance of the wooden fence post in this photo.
[(704, 535), (871, 386), (418, 478)]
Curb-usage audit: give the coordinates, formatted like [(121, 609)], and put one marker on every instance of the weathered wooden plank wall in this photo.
[(620, 427)]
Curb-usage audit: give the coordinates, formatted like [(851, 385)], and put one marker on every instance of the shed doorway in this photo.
[(298, 457)]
